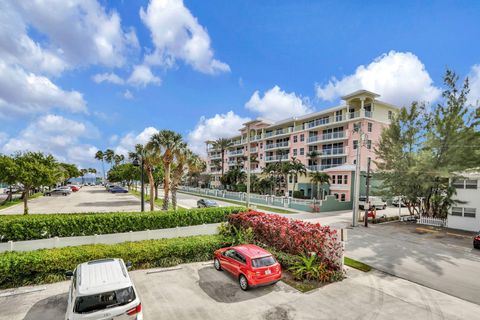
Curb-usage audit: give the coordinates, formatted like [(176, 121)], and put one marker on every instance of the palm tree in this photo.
[(178, 170), (222, 144), (297, 168), (83, 172), (165, 143), (118, 158), (150, 160), (319, 178), (313, 156), (101, 156), (109, 156)]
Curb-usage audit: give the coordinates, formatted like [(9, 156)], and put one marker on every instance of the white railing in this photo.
[(368, 114), (332, 151), (429, 221), (334, 135), (320, 167), (111, 238), (353, 115), (215, 157), (312, 139), (252, 150), (276, 158), (277, 145), (235, 153), (278, 132)]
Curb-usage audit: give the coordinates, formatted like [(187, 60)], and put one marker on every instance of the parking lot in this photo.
[(88, 199), (198, 291)]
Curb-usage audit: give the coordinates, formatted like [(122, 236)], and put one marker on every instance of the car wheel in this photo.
[(384, 206), (65, 194), (216, 264), (242, 280)]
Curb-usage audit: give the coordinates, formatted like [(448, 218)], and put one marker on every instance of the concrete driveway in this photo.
[(88, 199), (198, 291)]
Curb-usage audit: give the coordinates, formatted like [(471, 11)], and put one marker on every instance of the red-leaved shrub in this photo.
[(292, 236)]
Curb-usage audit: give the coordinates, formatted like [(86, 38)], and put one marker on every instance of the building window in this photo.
[(369, 144), (333, 179), (355, 144), (390, 115), (356, 127), (290, 179), (342, 197), (354, 161), (339, 179), (261, 145), (336, 195), (302, 137), (294, 152), (261, 155), (457, 211), (345, 179), (295, 138), (469, 212), (370, 127), (459, 183), (302, 151), (471, 184)]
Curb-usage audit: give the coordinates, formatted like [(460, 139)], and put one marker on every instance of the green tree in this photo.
[(165, 144), (33, 170), (296, 169), (99, 155), (109, 156), (126, 173), (319, 179), (8, 169)]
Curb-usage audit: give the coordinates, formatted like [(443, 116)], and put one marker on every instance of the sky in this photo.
[(85, 75)]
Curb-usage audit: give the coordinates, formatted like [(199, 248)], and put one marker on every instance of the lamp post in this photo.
[(140, 164)]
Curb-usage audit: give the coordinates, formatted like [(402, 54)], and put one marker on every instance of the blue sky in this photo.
[(99, 74)]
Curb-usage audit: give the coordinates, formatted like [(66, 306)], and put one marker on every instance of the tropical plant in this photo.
[(319, 178), (296, 168), (165, 144), (8, 173), (99, 155), (109, 156), (150, 159), (306, 268)]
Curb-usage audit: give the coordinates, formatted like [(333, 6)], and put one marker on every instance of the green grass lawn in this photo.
[(356, 264), (158, 202), (17, 201), (258, 206)]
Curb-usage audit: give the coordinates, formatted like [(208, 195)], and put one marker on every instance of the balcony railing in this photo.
[(276, 158), (320, 167), (278, 132), (318, 122), (327, 136), (235, 153), (215, 156), (333, 151), (253, 150), (277, 145), (368, 114), (354, 115)]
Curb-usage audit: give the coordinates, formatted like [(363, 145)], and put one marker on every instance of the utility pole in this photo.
[(367, 201), (356, 193)]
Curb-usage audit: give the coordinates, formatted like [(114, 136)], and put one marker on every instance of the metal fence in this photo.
[(56, 242)]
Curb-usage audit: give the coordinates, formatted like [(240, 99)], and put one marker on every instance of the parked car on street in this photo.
[(206, 203), (250, 264), (476, 241), (396, 202), (57, 192), (109, 186), (118, 189), (375, 202), (102, 289), (74, 188), (13, 189)]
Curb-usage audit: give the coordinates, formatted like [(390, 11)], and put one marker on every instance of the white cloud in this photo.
[(3, 137), (58, 136), (108, 77), (93, 35), (276, 104), (22, 92), (128, 95), (142, 76), (399, 77), (127, 142), (474, 78), (219, 126), (177, 34)]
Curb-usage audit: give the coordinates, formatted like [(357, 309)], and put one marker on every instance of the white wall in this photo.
[(472, 199)]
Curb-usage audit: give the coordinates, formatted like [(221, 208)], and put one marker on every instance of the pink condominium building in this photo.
[(333, 133)]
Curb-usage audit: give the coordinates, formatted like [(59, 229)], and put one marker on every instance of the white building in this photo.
[(465, 215)]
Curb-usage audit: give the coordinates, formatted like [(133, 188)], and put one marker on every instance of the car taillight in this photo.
[(135, 310)]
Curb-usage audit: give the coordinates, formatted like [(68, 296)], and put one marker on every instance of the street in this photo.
[(88, 199), (197, 291)]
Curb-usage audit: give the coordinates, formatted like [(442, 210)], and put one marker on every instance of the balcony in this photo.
[(256, 138), (235, 153), (215, 157), (279, 145), (354, 115), (321, 167), (254, 150), (278, 132), (327, 137), (333, 152), (369, 114), (238, 142), (276, 158), (318, 122)]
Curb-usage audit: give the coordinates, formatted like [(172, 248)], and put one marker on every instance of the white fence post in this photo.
[(10, 245), (56, 241)]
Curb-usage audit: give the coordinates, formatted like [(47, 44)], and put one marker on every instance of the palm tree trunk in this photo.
[(166, 186), (150, 182), (156, 190), (174, 197)]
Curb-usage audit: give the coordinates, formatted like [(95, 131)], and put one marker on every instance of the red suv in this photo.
[(250, 264)]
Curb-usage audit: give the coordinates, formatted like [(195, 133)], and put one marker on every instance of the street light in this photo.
[(137, 163)]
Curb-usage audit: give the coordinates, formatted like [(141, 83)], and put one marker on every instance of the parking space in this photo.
[(88, 199), (198, 291)]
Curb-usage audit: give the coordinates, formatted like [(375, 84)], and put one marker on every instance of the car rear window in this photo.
[(263, 262), (105, 300)]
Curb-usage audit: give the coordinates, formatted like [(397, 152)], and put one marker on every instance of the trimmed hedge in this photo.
[(43, 226), (46, 266)]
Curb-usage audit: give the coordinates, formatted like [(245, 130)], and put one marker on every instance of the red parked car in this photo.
[(476, 241), (74, 188), (250, 264)]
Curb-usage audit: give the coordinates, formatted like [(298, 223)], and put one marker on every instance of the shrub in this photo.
[(298, 194), (42, 226), (45, 266), (384, 219), (292, 236)]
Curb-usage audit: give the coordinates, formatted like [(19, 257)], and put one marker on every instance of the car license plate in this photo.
[(268, 271)]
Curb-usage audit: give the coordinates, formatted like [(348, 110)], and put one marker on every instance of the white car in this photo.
[(376, 202), (101, 290)]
